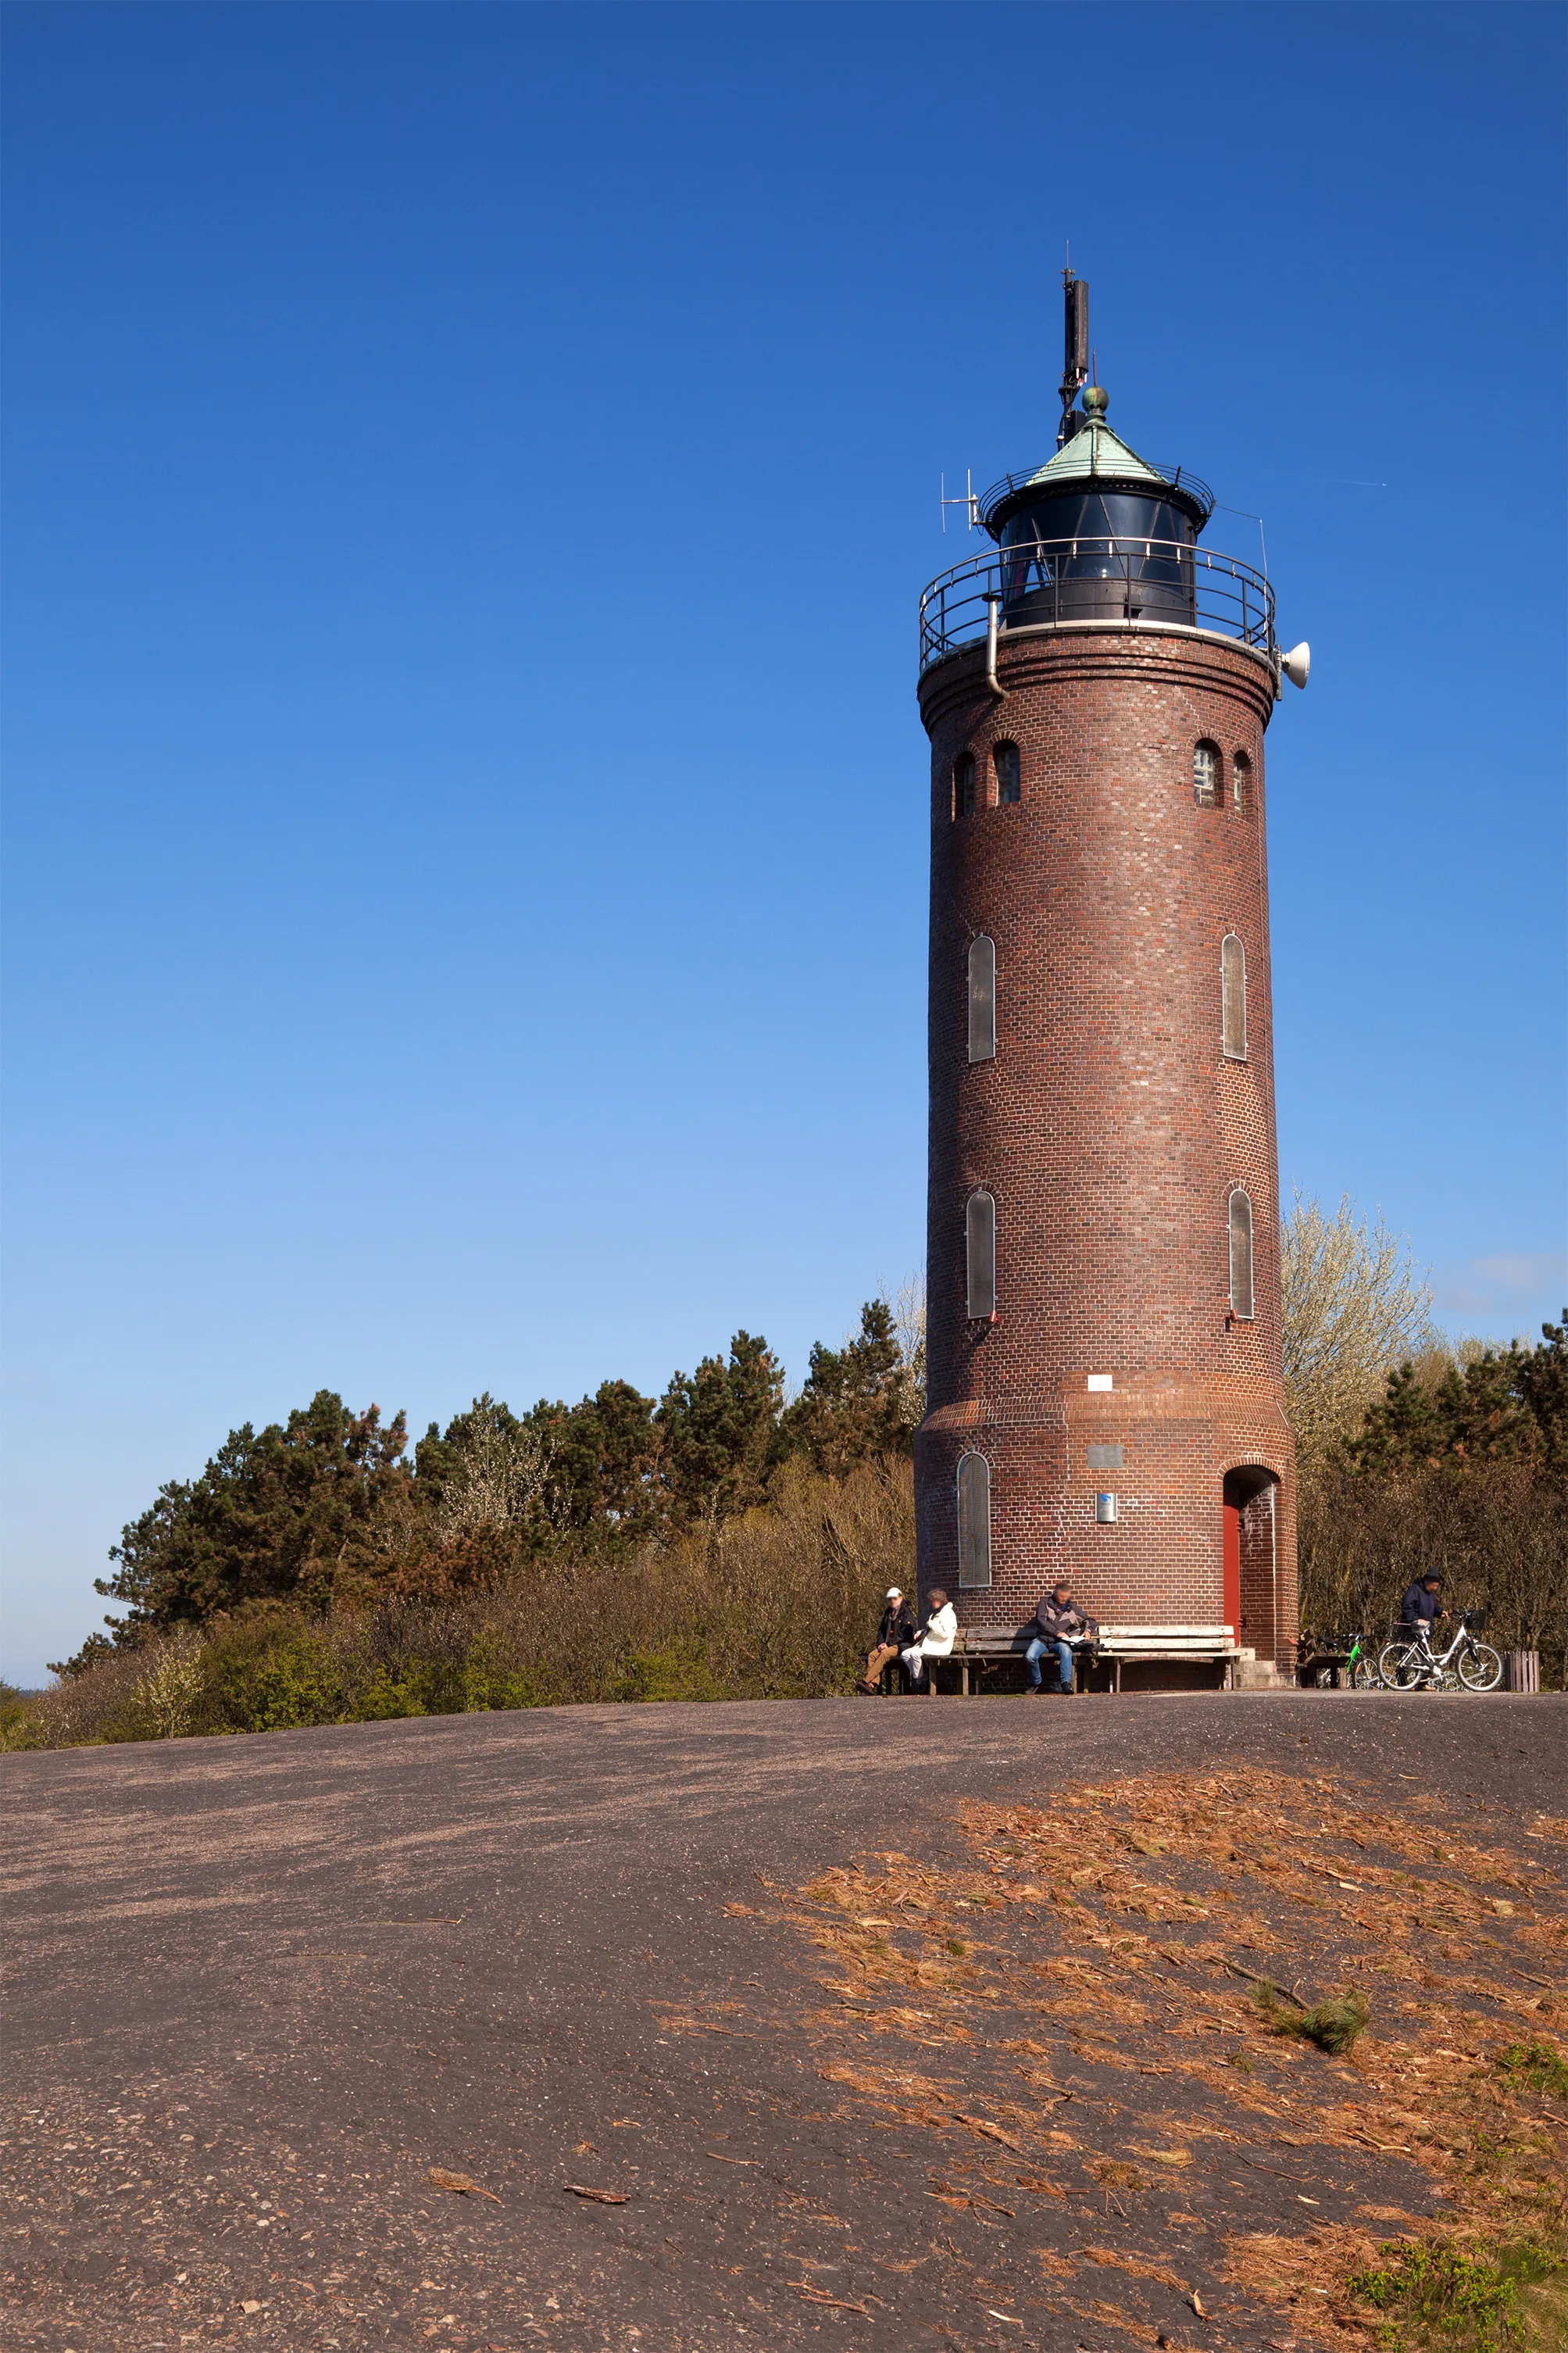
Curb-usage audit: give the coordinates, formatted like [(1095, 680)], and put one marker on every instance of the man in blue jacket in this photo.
[(1059, 1623), (1421, 1609)]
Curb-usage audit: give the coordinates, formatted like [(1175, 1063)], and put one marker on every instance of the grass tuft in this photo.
[(1335, 2025)]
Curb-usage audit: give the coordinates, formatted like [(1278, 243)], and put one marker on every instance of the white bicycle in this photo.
[(1408, 1663)]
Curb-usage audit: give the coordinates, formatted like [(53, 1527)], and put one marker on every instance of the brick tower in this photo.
[(1103, 1362)]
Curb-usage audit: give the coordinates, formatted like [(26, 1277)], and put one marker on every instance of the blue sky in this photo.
[(468, 476)]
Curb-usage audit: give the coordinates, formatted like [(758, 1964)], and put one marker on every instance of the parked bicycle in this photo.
[(1408, 1663)]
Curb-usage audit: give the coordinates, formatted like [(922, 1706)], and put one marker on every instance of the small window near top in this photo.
[(964, 785), (1206, 775), (1233, 998), (982, 1001), (1009, 786), (1240, 785), (1240, 1255), (973, 1519), (980, 1257)]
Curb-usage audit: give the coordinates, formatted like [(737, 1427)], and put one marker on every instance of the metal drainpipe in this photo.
[(992, 609)]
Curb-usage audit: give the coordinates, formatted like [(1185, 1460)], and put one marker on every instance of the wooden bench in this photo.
[(981, 1652)]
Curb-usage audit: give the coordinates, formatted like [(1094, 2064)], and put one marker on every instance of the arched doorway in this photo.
[(1252, 1557)]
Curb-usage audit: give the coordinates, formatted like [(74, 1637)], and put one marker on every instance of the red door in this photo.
[(1233, 1568)]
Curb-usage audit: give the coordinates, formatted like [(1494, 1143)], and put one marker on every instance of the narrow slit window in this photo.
[(1009, 784), (980, 1256), (982, 1001), (1206, 775), (1233, 998), (973, 1519), (1240, 785), (1240, 1255), (964, 785)]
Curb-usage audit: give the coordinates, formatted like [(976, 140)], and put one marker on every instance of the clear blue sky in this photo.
[(468, 476)]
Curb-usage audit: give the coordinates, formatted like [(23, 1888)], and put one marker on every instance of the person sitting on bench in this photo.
[(937, 1636), (1061, 1624), (896, 1630)]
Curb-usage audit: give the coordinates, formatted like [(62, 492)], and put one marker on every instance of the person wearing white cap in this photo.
[(896, 1630)]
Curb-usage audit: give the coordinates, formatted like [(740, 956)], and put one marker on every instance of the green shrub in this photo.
[(1534, 2067), (677, 1670), (1441, 2296), (271, 1680)]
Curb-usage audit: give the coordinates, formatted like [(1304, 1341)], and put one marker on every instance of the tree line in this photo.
[(724, 1539), (328, 1511)]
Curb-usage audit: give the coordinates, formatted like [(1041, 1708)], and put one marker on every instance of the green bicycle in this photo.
[(1361, 1668)]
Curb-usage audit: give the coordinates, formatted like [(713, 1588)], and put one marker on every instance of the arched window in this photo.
[(982, 1001), (1233, 998), (964, 785), (973, 1519), (980, 1256), (1206, 775), (1240, 1255), (1240, 785), (1009, 784)]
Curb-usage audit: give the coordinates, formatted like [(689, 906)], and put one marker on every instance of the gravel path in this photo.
[(261, 1986)]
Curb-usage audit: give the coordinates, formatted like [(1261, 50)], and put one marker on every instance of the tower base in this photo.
[(1203, 1526)]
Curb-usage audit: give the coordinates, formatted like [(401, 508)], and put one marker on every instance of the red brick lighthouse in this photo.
[(1103, 1359)]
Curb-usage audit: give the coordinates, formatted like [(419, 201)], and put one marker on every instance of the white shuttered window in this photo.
[(1240, 785)]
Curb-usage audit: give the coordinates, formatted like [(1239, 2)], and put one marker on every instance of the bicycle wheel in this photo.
[(1402, 1666), (1363, 1674), (1480, 1669)]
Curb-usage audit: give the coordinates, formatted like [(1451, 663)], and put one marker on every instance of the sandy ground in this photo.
[(260, 1988)]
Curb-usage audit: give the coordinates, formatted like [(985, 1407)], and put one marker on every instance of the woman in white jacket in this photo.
[(938, 1637)]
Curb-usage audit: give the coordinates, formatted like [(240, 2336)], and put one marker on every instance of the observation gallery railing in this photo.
[(1179, 478), (1044, 583)]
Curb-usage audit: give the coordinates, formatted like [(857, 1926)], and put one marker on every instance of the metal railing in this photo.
[(1147, 583), (1177, 476)]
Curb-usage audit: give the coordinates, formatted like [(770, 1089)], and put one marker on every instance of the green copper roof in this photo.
[(1095, 452)]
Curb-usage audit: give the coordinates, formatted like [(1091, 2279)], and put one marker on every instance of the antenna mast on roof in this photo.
[(969, 502), (1074, 348)]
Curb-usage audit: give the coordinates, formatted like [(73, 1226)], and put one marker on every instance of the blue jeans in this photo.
[(1037, 1651)]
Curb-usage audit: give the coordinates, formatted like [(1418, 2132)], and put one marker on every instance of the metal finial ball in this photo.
[(1096, 400)]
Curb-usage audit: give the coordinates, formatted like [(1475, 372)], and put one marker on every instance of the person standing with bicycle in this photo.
[(1409, 1663), (1421, 1609)]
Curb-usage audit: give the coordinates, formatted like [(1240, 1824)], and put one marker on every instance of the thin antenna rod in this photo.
[(969, 502), (1248, 516)]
